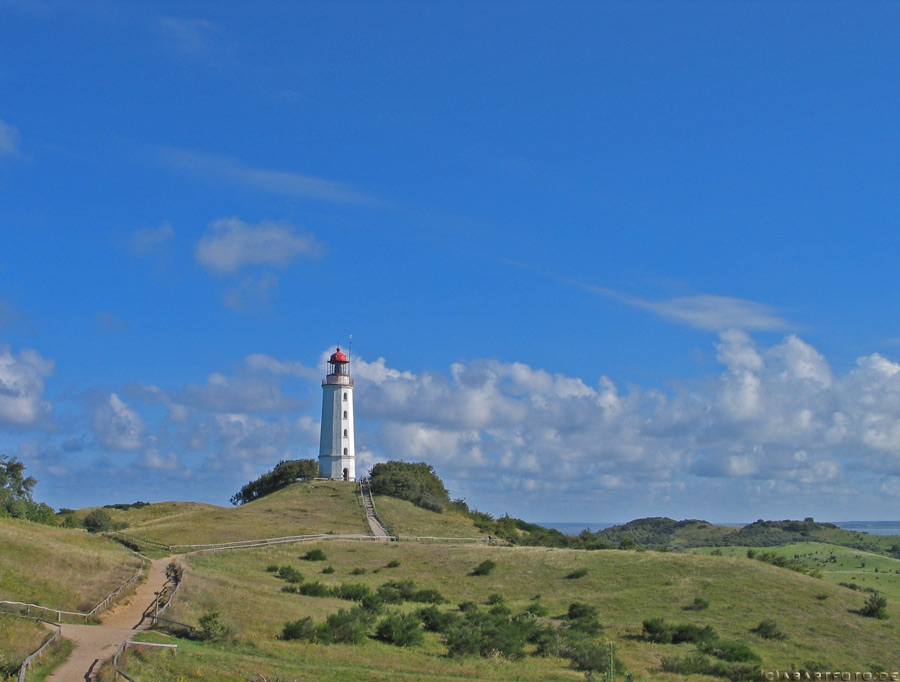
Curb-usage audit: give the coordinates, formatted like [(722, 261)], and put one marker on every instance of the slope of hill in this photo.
[(820, 621), (77, 570), (298, 509)]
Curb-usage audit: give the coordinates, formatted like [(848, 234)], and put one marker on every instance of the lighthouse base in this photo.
[(337, 468)]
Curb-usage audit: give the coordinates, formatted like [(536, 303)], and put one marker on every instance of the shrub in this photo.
[(768, 629), (729, 650), (345, 627), (484, 568), (699, 604), (486, 634), (291, 574), (495, 598), (372, 603), (427, 597), (328, 570), (314, 555), (875, 607), (97, 521), (351, 591), (656, 630), (211, 629), (299, 629), (574, 575), (358, 571), (272, 568), (590, 655), (314, 589), (400, 630), (393, 563), (435, 620)]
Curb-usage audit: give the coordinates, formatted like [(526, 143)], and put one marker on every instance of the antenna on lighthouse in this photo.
[(350, 347)]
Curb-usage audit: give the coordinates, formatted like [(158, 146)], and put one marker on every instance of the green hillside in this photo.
[(819, 620), (298, 509), (77, 570), (243, 600)]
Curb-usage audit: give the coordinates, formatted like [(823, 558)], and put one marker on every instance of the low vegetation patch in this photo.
[(484, 568)]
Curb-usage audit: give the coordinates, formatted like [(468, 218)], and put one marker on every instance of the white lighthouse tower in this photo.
[(337, 453)]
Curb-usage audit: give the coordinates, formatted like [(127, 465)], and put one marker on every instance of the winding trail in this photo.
[(94, 644)]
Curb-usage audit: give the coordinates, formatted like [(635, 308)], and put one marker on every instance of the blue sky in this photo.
[(599, 260)]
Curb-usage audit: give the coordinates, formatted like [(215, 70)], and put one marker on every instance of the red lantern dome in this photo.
[(338, 357)]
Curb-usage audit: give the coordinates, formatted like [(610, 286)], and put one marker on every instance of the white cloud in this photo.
[(22, 387), (705, 311), (231, 244), (117, 426), (279, 182), (9, 140)]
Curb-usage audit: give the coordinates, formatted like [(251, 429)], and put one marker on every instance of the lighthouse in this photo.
[(337, 454)]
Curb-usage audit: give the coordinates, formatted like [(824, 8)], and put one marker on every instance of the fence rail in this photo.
[(60, 613), (23, 669)]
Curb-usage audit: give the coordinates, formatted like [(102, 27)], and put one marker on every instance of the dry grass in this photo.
[(77, 570), (407, 519), (299, 509)]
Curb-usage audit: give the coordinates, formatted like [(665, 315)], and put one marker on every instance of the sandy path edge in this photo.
[(94, 644)]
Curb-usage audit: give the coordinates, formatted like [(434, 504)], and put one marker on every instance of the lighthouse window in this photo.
[(345, 396), (345, 433), (345, 414), (346, 451)]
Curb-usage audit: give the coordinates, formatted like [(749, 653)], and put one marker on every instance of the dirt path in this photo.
[(96, 643)]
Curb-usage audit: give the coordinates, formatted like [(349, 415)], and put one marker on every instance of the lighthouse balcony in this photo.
[(339, 379)]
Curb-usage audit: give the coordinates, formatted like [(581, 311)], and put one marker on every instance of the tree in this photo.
[(15, 494), (284, 473), (13, 483)]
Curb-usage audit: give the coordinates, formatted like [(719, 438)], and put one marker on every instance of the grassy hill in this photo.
[(252, 600), (627, 587), (298, 509), (76, 570)]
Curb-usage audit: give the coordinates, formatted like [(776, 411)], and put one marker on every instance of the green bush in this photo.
[(393, 563), (351, 591), (495, 598), (484, 568), (211, 629), (768, 629), (875, 607), (314, 555), (400, 630), (427, 597), (345, 627), (486, 634), (314, 589), (435, 620), (328, 570), (299, 629), (290, 574), (98, 521), (537, 609), (283, 474), (729, 650), (358, 571), (272, 568), (699, 604)]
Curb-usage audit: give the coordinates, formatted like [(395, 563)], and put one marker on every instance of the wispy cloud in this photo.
[(286, 183), (9, 140), (191, 37), (704, 311)]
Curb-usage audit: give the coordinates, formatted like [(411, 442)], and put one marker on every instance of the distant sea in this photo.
[(874, 527)]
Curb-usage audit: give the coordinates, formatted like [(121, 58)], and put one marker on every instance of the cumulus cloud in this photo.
[(776, 414), (22, 387), (231, 244), (9, 140), (117, 426)]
